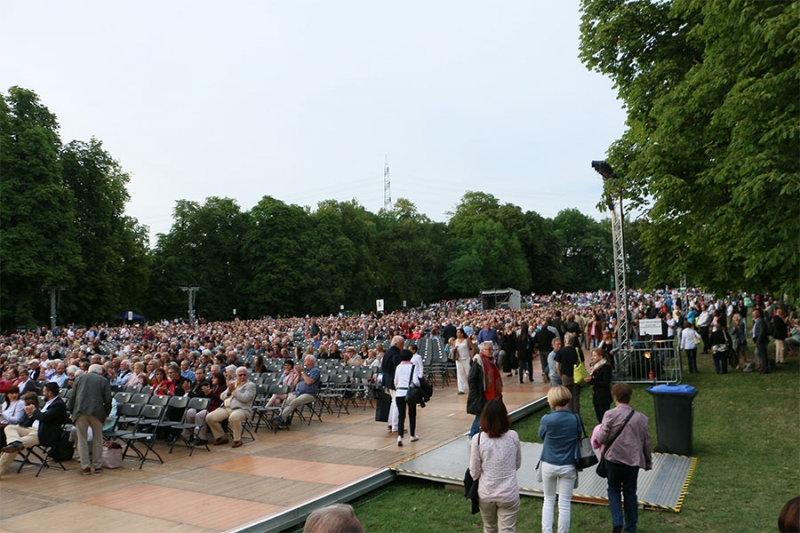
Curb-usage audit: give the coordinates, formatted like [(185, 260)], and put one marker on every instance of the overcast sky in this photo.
[(302, 101)]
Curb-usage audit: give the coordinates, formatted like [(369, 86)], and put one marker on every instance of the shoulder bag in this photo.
[(585, 454), (414, 394), (471, 485), (602, 469), (579, 373)]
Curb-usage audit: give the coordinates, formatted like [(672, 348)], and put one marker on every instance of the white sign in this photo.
[(130, 317), (342, 308), (379, 305), (650, 326)]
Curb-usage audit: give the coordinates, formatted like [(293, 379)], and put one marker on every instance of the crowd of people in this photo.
[(214, 360)]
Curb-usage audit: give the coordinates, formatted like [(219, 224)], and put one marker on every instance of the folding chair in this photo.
[(123, 397), (44, 455), (150, 415), (139, 397), (198, 404), (127, 414), (175, 410), (155, 399), (264, 413)]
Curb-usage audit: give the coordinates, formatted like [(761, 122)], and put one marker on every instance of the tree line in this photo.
[(62, 224)]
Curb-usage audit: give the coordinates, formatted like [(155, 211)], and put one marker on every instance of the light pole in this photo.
[(620, 261), (53, 289), (192, 290)]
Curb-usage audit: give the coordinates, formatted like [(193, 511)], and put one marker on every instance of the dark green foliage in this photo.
[(63, 223), (711, 150), (37, 231)]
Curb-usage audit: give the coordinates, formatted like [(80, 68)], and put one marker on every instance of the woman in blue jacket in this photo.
[(560, 431)]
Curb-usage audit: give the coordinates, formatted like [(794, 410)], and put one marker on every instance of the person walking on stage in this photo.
[(485, 384)]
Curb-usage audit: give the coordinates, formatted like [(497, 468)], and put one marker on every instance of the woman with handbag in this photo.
[(405, 376), (600, 380), (495, 457), (560, 431), (626, 437), (721, 345)]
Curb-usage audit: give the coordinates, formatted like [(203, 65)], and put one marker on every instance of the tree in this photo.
[(411, 255), (489, 259), (274, 247), (586, 251), (37, 236), (204, 248), (710, 152), (99, 194)]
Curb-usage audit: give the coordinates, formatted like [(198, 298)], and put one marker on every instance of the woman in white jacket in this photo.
[(404, 376), (689, 345)]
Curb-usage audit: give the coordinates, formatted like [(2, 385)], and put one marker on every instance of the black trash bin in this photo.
[(674, 405)]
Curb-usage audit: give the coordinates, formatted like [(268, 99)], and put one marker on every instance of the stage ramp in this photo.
[(662, 488)]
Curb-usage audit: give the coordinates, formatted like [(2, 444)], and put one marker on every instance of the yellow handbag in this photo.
[(579, 373)]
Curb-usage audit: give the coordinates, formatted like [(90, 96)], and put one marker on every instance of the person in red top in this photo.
[(161, 385), (485, 383)]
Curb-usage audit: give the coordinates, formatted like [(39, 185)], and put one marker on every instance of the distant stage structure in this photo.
[(500, 299)]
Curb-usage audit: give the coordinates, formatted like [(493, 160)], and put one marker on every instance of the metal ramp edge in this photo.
[(662, 488)]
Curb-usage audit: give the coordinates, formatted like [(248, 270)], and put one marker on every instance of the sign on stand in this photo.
[(650, 326)]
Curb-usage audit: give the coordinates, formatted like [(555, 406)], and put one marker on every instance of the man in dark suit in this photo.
[(390, 361), (46, 428), (90, 404)]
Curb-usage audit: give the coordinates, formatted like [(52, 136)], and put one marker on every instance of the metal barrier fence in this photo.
[(649, 362)]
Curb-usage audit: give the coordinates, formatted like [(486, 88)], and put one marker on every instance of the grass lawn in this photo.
[(746, 439)]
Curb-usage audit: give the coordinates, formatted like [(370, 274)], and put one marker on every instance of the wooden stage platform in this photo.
[(231, 489)]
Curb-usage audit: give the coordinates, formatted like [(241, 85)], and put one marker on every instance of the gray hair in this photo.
[(338, 517), (96, 369)]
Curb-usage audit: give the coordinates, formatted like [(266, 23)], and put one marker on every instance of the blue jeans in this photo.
[(623, 479), (476, 426)]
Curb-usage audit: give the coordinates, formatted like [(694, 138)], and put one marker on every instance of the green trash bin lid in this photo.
[(680, 390)]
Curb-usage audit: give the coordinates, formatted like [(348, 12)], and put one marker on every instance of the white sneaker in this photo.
[(399, 441), (414, 438)]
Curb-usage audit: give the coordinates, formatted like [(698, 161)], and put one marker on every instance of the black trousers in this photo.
[(401, 419)]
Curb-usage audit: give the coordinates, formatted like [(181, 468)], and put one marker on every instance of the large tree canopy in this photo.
[(37, 239), (710, 154)]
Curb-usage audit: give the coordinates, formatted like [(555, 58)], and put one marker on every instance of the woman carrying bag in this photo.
[(495, 457), (560, 430), (600, 380)]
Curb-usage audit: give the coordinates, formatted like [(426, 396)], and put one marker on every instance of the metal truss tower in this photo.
[(192, 290), (620, 263), (387, 189)]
